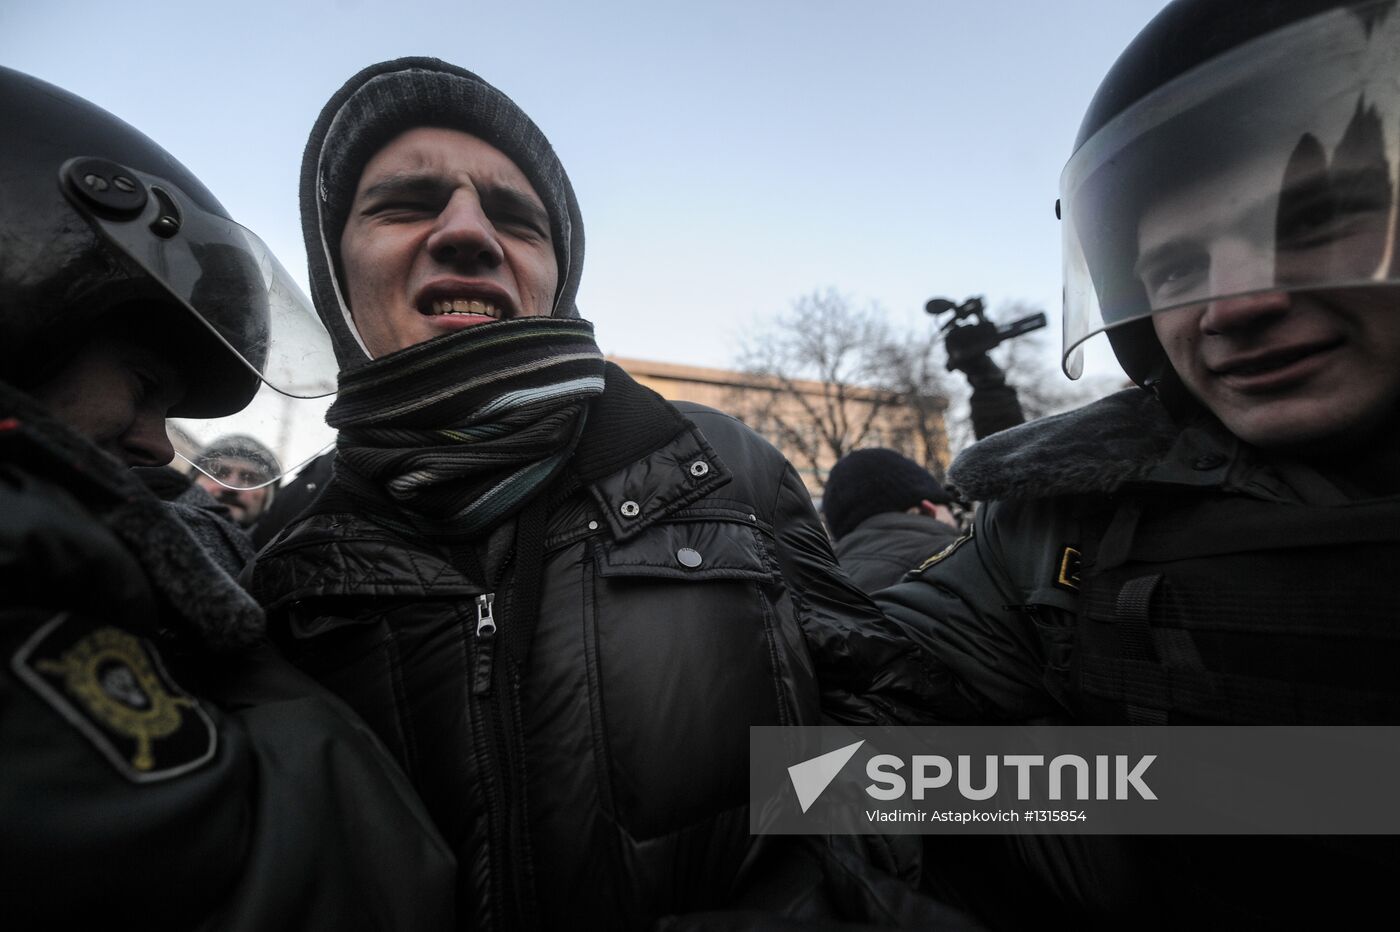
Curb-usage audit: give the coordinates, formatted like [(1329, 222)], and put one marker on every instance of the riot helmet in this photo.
[(98, 220), (1233, 149), (104, 230)]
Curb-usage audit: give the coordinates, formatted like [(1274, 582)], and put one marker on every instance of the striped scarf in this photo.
[(451, 437)]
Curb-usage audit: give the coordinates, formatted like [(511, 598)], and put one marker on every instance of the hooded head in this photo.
[(373, 109)]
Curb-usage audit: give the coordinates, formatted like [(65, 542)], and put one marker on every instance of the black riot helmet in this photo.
[(1233, 148), (96, 221)]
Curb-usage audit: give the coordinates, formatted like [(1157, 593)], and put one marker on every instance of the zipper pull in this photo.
[(485, 619), (485, 643)]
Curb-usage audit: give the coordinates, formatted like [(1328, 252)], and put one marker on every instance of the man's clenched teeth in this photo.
[(465, 306)]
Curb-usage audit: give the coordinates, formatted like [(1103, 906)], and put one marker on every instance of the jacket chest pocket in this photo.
[(688, 551), (685, 634)]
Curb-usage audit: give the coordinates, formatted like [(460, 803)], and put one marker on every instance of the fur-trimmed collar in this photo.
[(1096, 448), (209, 606)]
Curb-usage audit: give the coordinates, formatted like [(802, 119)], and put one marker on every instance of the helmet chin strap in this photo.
[(1144, 361), (1168, 388)]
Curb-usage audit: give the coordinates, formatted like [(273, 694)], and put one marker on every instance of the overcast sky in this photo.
[(729, 155)]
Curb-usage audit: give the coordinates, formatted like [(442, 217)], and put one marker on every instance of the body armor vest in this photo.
[(1226, 609)]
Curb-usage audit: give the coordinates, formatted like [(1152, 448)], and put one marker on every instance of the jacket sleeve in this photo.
[(123, 798), (339, 839), (980, 620), (248, 802), (150, 781), (869, 669), (956, 641)]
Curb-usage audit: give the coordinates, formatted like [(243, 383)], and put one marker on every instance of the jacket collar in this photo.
[(1126, 437), (640, 458), (659, 484), (209, 607)]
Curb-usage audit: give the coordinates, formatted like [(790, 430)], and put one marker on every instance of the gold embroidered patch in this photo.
[(1068, 575), (111, 686), (944, 553)]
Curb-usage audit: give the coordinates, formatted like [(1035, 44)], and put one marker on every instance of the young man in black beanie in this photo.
[(558, 598), (887, 515)]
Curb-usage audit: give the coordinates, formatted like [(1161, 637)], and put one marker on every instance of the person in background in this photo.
[(887, 515), (208, 520), (240, 473), (294, 495)]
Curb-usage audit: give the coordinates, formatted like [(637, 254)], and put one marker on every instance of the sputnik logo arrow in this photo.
[(811, 777)]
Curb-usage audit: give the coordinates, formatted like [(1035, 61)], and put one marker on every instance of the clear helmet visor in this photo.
[(273, 437), (257, 334), (1271, 168)]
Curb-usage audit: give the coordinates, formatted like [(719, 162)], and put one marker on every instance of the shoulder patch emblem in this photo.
[(111, 686), (1067, 576), (943, 554)]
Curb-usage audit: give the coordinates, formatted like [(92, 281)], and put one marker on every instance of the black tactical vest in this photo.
[(1212, 608)]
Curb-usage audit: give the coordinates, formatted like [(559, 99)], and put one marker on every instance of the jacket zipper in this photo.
[(497, 742), (485, 641)]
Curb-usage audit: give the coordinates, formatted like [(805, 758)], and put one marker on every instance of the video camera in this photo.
[(968, 334)]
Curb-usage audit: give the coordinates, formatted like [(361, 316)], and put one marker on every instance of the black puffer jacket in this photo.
[(610, 787)]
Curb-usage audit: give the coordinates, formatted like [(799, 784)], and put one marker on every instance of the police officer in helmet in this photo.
[(162, 767), (1215, 546)]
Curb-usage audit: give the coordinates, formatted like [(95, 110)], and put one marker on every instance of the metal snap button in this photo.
[(593, 525), (630, 509), (699, 468), (688, 557)]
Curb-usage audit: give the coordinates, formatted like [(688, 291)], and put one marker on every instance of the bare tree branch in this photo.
[(835, 378)]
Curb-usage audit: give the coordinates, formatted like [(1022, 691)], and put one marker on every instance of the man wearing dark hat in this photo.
[(887, 515), (560, 600)]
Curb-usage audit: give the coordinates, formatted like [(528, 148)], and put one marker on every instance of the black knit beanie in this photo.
[(370, 111), (871, 482)]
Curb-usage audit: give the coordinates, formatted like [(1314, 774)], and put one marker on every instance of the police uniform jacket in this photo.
[(161, 768), (1126, 569)]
